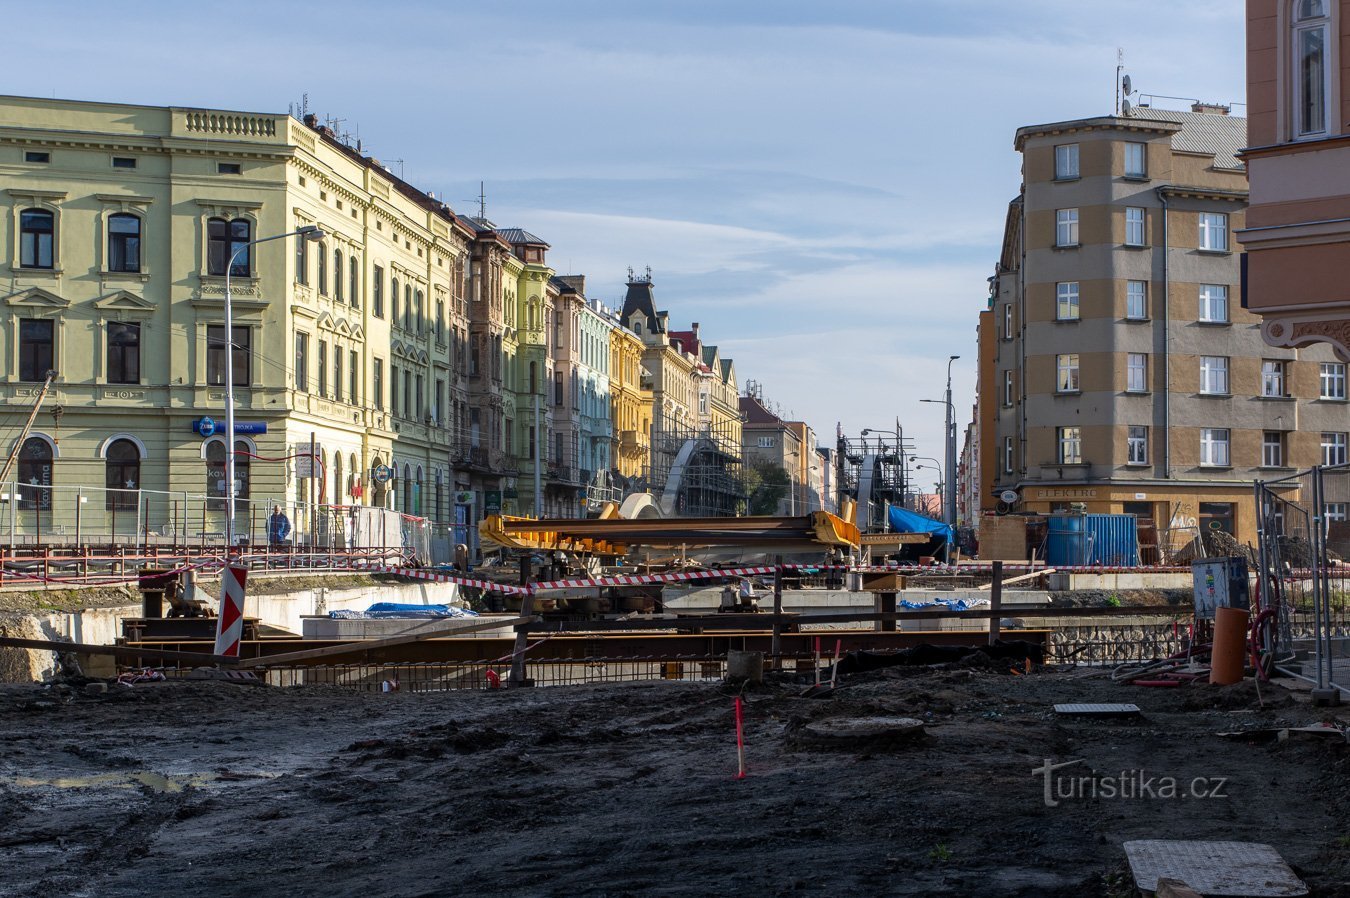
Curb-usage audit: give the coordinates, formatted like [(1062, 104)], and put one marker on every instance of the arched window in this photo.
[(355, 279), (421, 317), (123, 475), (393, 302), (323, 270), (339, 488), (124, 242), (1312, 47), (354, 477), (37, 230), (337, 275), (417, 492), (215, 472), (35, 474), (223, 240), (407, 307), (407, 490)]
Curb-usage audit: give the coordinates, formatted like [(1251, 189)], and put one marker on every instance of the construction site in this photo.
[(785, 704)]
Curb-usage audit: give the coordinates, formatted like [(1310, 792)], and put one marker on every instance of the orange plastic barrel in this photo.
[(1229, 657)]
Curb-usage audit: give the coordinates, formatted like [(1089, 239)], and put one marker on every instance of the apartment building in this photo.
[(630, 405), (1297, 234), (122, 224), (1125, 375)]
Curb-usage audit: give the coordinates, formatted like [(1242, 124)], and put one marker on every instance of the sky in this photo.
[(822, 186)]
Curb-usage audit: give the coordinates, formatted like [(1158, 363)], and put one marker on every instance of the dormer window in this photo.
[(1312, 27)]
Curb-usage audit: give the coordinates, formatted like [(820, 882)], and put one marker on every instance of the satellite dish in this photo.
[(1125, 85), (1126, 107)]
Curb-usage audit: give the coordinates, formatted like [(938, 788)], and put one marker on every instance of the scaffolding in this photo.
[(873, 471), (697, 472)]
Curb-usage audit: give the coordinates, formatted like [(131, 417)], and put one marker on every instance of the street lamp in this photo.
[(308, 232), (949, 497)]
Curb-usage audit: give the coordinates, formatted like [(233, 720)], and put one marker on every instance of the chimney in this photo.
[(1210, 108), (311, 120)]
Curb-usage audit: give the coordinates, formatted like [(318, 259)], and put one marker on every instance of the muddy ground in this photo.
[(212, 789)]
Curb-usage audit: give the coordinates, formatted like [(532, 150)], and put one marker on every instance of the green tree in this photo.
[(767, 484)]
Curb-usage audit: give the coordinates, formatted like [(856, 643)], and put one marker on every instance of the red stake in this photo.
[(740, 741)]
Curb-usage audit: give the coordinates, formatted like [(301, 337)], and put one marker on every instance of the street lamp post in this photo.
[(949, 498), (308, 232)]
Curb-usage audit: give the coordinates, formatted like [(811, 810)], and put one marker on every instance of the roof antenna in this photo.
[(482, 201), (1120, 67)]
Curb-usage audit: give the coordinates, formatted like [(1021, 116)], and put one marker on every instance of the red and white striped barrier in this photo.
[(641, 579), (440, 577), (230, 623)]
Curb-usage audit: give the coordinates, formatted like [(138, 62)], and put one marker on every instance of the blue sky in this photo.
[(820, 185)]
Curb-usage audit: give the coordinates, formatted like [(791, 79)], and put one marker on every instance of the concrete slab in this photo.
[(1213, 868)]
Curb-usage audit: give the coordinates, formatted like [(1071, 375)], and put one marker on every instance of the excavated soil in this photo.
[(222, 790)]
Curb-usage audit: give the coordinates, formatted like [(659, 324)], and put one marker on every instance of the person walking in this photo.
[(278, 528)]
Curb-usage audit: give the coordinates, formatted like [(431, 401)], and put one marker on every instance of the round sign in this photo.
[(1009, 496), (382, 474), (206, 426)]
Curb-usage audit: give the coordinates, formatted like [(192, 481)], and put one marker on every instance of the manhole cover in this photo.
[(1213, 868)]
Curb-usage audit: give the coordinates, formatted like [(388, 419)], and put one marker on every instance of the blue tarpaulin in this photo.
[(905, 521), (948, 604), (401, 610)]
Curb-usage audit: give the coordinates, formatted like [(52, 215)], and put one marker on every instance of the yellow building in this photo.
[(120, 224), (630, 405)]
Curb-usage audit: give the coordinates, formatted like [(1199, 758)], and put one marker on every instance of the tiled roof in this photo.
[(1221, 136)]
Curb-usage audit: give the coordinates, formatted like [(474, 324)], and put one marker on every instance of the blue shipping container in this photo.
[(1110, 540), (1066, 540)]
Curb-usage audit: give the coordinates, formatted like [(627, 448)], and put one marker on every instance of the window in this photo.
[(1311, 28), (1214, 374), (354, 378), (407, 307), (1008, 389), (124, 353), (377, 293), (215, 355), (40, 156), (438, 410), (1066, 227), (407, 393), (420, 307), (1136, 372), (1008, 322), (440, 321), (1066, 161), (337, 275), (393, 301), (354, 279), (1007, 455), (1136, 445), (1273, 379), (37, 230), (1066, 373), (215, 472), (1136, 160), (377, 382), (34, 475), (323, 368), (1214, 303), (1134, 226), (558, 396), (1272, 449), (1070, 441), (36, 345), (1332, 380), (1216, 516), (1214, 231), (1136, 300), (123, 162), (229, 168), (1333, 448), (767, 442), (337, 372), (1066, 301), (124, 242), (1214, 447), (302, 362), (301, 259), (323, 270), (223, 240), (122, 476), (393, 388)]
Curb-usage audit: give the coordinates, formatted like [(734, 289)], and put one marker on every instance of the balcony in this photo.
[(633, 442)]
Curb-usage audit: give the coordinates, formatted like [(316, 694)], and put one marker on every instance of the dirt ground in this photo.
[(213, 789)]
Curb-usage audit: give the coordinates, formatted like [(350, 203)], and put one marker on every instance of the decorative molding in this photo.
[(1302, 330), (35, 193), (228, 204), (37, 297), (117, 198), (122, 301), (122, 393)]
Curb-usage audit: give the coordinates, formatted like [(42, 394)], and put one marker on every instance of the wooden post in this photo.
[(522, 630), (777, 645), (995, 602)]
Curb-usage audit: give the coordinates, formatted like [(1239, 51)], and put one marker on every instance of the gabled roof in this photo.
[(754, 412), (521, 237)]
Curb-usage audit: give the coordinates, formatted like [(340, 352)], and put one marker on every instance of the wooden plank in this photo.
[(351, 648), (1020, 578), (125, 651)]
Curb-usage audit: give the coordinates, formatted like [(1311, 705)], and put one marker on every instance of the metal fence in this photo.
[(1304, 536), (33, 515)]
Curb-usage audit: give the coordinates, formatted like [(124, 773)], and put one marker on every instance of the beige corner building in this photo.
[(1118, 367), (117, 228)]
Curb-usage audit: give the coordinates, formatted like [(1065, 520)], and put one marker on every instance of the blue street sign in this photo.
[(209, 426)]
